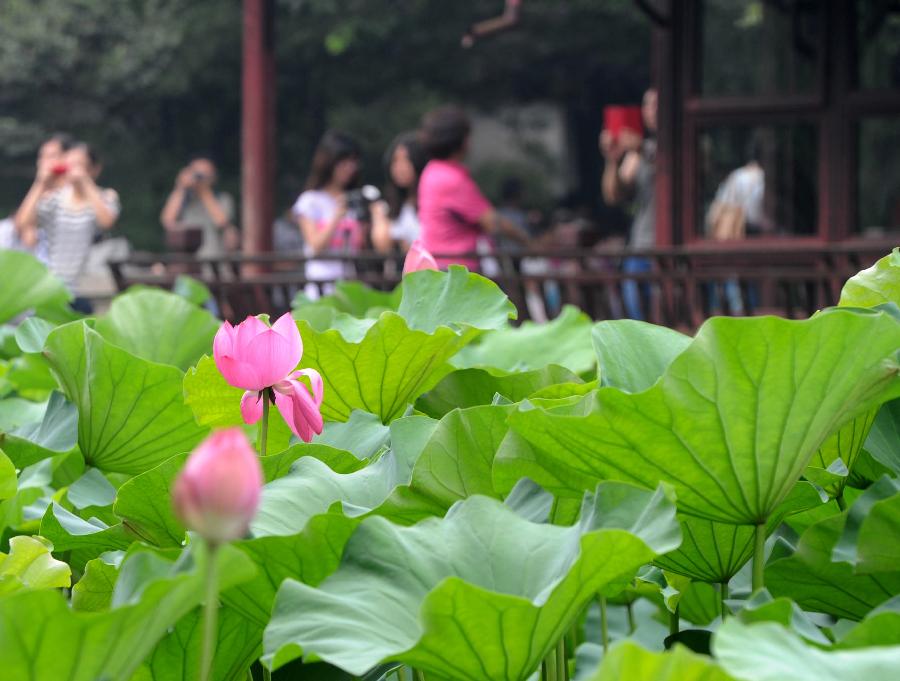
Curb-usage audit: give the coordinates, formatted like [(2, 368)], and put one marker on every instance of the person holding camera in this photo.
[(195, 207), (331, 213), (49, 177), (69, 212)]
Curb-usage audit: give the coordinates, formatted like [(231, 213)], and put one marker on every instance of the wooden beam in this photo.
[(258, 126)]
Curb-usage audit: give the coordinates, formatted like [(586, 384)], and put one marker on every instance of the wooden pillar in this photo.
[(258, 127), (664, 76)]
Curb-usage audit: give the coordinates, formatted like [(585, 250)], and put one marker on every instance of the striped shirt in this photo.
[(69, 231)]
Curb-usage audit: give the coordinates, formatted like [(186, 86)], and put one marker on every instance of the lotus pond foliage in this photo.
[(442, 494)]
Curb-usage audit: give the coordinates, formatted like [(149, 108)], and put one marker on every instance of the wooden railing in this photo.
[(677, 287)]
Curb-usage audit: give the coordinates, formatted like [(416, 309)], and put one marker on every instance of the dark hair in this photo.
[(203, 156), (64, 139), (755, 147), (88, 149), (397, 196), (444, 131), (511, 189), (334, 147)]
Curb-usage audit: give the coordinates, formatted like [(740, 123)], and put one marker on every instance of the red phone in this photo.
[(59, 169), (619, 118)]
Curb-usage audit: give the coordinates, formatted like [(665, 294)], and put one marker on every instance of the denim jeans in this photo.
[(632, 291)]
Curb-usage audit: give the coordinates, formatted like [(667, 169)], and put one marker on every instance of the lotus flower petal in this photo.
[(252, 406), (299, 408), (418, 258), (253, 356)]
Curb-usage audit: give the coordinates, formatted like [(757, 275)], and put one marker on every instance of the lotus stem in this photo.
[(550, 668), (723, 594), (210, 614), (562, 663), (840, 502), (419, 674), (759, 557), (674, 621), (267, 675), (604, 625), (629, 611), (264, 424)]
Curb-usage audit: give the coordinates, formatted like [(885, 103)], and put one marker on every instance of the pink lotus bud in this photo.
[(418, 258), (217, 492), (254, 356)]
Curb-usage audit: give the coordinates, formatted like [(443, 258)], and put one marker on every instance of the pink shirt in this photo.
[(450, 206)]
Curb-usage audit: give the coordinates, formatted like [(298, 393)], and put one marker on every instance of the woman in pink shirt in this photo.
[(452, 210)]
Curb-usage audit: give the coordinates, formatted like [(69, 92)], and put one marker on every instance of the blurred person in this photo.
[(629, 174), (738, 210), (48, 178), (395, 221), (71, 215), (194, 205), (452, 210), (323, 210)]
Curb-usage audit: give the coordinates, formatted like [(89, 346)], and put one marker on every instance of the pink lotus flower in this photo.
[(261, 360), (418, 258), (217, 491)]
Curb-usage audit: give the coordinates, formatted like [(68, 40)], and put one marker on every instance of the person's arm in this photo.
[(214, 209), (101, 202), (318, 239), (494, 223), (382, 240), (172, 208), (25, 219), (622, 161)]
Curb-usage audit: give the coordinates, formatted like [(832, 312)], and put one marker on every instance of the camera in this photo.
[(359, 202), (200, 177)]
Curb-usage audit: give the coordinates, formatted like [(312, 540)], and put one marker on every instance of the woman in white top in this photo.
[(396, 220), (322, 211)]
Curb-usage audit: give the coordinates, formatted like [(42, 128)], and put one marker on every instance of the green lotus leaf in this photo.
[(842, 448), (93, 592), (350, 297), (632, 355), (435, 596), (191, 289), (68, 531), (565, 341), (454, 464), (736, 417), (32, 333), (810, 577), (27, 284), (473, 387), (381, 366), (177, 656), (627, 661), (363, 434), (216, 404), (769, 652), (881, 627), (761, 607), (55, 433), (308, 556), (876, 285), (8, 479), (42, 639), (131, 416), (871, 537), (457, 298), (159, 326), (715, 552), (883, 442), (29, 565)]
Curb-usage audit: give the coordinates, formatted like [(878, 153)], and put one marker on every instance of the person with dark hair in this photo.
[(452, 210), (630, 175), (194, 205), (396, 220), (48, 178), (72, 214), (322, 210)]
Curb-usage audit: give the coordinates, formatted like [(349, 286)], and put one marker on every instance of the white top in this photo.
[(406, 227), (745, 187), (69, 231), (320, 206)]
